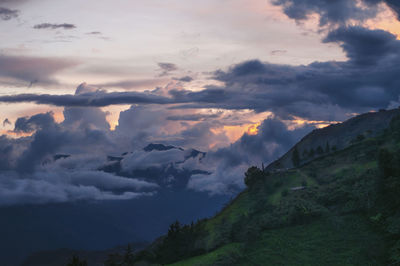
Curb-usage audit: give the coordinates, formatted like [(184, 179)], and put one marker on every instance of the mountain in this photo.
[(159, 147), (169, 173), (336, 137), (340, 208), (101, 225)]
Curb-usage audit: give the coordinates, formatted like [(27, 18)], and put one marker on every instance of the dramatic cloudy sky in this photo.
[(242, 80)]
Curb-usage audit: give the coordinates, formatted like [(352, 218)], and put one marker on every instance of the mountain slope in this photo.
[(336, 137), (339, 209)]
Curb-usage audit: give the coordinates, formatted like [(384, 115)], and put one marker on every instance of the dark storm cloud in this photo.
[(98, 99), (230, 163), (33, 123), (29, 175), (33, 69), (337, 12), (365, 47), (184, 79), (7, 14), (193, 117), (6, 122), (395, 5), (166, 68), (272, 140), (320, 91), (65, 26)]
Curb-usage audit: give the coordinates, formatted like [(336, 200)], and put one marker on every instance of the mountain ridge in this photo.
[(338, 136)]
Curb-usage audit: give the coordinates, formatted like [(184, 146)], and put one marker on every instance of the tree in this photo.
[(360, 137), (327, 148), (114, 259), (128, 256), (320, 150), (295, 157), (311, 153), (253, 174), (75, 261)]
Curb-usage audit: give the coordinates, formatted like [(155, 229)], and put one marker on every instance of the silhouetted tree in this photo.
[(252, 174), (327, 148), (128, 256), (75, 261), (311, 153), (114, 259), (295, 157)]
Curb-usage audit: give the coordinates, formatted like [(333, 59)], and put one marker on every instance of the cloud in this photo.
[(227, 165), (130, 84), (65, 26), (318, 91), (327, 91), (395, 6), (365, 47), (193, 117), (166, 68), (7, 14), (184, 79), (278, 52), (33, 69), (33, 123), (94, 33), (6, 122), (30, 174), (11, 2), (96, 99), (50, 188), (338, 12)]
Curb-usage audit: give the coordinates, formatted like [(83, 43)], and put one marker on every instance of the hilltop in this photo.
[(336, 137)]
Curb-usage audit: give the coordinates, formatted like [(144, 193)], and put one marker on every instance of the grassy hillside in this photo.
[(339, 209)]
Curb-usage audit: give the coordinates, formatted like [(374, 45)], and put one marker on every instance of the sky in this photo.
[(240, 80)]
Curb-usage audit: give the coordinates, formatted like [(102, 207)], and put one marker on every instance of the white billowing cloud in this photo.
[(91, 178), (36, 190), (223, 180)]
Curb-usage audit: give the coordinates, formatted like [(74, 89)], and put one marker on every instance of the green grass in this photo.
[(329, 215), (229, 215), (336, 241), (225, 253)]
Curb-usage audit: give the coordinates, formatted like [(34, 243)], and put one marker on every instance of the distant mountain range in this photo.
[(102, 225)]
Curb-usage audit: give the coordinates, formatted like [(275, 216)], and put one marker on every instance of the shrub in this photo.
[(252, 175)]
